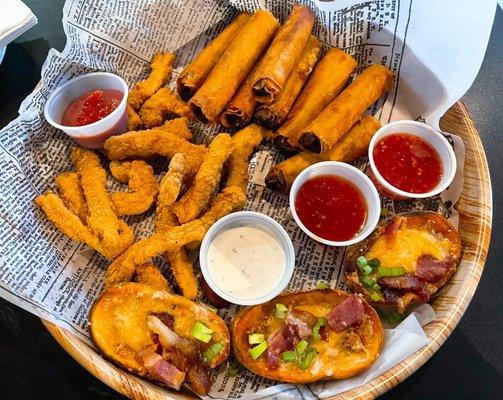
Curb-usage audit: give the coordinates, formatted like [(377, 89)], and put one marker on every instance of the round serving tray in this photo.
[(475, 216)]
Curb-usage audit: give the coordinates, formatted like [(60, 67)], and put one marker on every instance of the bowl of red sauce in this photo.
[(89, 108), (410, 160), (335, 203)]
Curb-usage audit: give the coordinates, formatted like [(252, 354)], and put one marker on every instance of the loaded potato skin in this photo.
[(406, 260), (339, 353)]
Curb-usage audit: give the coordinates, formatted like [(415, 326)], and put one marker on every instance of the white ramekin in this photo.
[(93, 135), (248, 218), (428, 134), (355, 176)]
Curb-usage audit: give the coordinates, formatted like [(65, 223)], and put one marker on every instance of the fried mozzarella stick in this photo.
[(71, 193), (245, 143), (353, 144), (240, 109), (133, 122), (327, 80), (161, 67), (282, 54), (152, 276), (71, 225), (163, 104), (206, 180), (123, 268), (347, 108), (101, 219), (170, 186), (272, 115), (194, 74), (233, 67), (140, 178)]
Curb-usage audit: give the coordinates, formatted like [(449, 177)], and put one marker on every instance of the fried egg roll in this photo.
[(353, 144), (327, 80), (280, 59), (342, 113), (272, 115), (233, 67), (194, 74)]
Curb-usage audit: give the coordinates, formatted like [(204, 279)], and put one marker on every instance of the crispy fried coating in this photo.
[(161, 67), (102, 219), (163, 104), (123, 268), (206, 180), (245, 142), (152, 276), (134, 122), (71, 193), (68, 223), (142, 184)]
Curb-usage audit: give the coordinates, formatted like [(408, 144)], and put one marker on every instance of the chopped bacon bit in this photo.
[(160, 369), (391, 230), (166, 318), (281, 340), (348, 313), (198, 377), (324, 333), (430, 269), (299, 325), (405, 282)]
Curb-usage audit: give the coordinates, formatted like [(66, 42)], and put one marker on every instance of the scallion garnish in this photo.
[(375, 263), (322, 285), (201, 332), (391, 272), (384, 212), (361, 261), (375, 296), (368, 281), (233, 370), (256, 338), (212, 351), (281, 310), (256, 351), (301, 346), (288, 356), (307, 358), (316, 328), (394, 317)]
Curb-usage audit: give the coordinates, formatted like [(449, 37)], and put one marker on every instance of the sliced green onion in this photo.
[(301, 346), (391, 272), (233, 370), (375, 263), (375, 296), (307, 358), (201, 332), (211, 308), (281, 310), (368, 281), (256, 351), (384, 212), (212, 351), (366, 269), (322, 285), (288, 356), (256, 338), (316, 328), (361, 261), (394, 317)]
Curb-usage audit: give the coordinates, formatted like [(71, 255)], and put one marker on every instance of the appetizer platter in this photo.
[(195, 190)]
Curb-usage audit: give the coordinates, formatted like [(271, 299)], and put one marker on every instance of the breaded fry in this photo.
[(206, 180), (122, 269), (68, 223), (134, 122), (161, 67), (245, 142), (142, 185), (163, 104), (71, 193), (102, 219), (152, 276)]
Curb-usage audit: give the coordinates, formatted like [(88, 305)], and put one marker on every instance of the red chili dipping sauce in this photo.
[(408, 163), (91, 107), (331, 207)]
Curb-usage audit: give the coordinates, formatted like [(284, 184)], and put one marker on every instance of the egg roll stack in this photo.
[(194, 74), (353, 144), (327, 80), (346, 109), (280, 59), (233, 67), (272, 115)]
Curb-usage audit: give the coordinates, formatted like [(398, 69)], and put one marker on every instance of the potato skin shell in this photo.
[(254, 319)]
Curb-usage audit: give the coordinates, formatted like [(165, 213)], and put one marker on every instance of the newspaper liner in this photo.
[(57, 279)]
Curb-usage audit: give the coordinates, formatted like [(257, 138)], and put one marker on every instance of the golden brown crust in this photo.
[(334, 360)]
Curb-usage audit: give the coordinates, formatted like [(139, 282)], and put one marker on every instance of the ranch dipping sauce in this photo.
[(246, 261)]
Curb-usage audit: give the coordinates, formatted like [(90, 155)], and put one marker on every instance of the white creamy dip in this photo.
[(247, 262)]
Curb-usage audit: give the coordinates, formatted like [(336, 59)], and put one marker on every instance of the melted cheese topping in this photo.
[(407, 246)]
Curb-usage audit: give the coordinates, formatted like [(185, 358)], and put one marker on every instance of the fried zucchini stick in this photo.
[(163, 104), (206, 180), (161, 67), (123, 268), (152, 276), (71, 193), (133, 122), (69, 224), (140, 178)]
